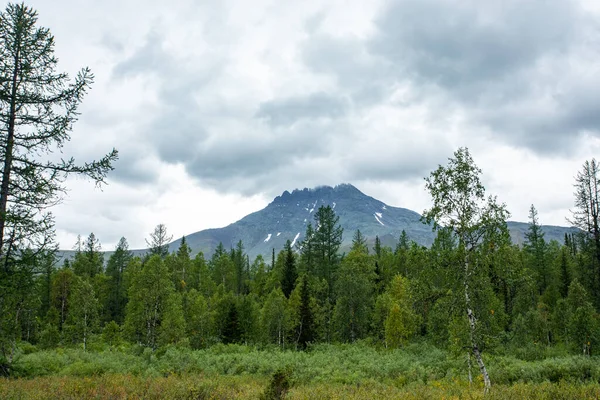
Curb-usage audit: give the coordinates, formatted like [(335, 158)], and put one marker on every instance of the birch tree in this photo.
[(459, 204)]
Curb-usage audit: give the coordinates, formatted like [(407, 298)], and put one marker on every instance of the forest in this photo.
[(533, 308), (472, 315)]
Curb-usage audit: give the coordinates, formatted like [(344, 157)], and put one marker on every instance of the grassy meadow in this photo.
[(351, 371)]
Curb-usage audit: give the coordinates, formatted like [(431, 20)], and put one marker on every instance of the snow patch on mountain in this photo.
[(278, 233), (295, 238), (377, 218), (268, 237)]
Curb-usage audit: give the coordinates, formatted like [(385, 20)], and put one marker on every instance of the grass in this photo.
[(327, 371)]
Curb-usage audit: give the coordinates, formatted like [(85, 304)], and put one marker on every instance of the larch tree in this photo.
[(459, 204), (159, 241), (586, 215), (38, 107), (115, 269)]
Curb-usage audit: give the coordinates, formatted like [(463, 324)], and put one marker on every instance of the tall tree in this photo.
[(154, 314), (115, 269), (239, 262), (359, 242), (586, 215), (307, 251), (83, 315), (354, 293), (535, 245), (328, 238), (290, 274), (89, 260), (38, 107), (459, 204), (305, 328), (159, 241), (180, 266)]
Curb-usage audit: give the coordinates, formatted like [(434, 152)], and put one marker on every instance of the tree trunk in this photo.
[(8, 154), (472, 322)]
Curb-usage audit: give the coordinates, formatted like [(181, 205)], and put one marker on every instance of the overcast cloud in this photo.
[(218, 106)]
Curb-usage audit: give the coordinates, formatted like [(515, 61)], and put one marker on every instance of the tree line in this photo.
[(538, 294)]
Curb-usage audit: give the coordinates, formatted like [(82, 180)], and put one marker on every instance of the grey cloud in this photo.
[(149, 58), (491, 60), (250, 158), (289, 110), (471, 43), (361, 74), (134, 166), (396, 164)]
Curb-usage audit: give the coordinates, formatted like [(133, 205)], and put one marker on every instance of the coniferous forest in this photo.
[(473, 314)]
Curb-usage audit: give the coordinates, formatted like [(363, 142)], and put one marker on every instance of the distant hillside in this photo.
[(286, 217)]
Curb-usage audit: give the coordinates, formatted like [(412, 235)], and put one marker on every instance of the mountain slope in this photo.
[(287, 216)]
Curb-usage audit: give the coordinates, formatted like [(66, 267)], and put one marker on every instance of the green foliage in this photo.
[(115, 269), (401, 322), (354, 292), (83, 314), (275, 318), (289, 274), (111, 334), (199, 320), (154, 313), (278, 386)]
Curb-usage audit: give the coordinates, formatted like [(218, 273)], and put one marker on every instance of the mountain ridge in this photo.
[(287, 215)]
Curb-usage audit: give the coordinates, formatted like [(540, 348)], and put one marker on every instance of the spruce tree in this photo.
[(289, 276), (359, 243), (536, 247), (306, 324), (377, 247)]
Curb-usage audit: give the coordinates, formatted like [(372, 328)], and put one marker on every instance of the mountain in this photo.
[(287, 216)]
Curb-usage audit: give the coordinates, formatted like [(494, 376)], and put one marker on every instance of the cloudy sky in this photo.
[(217, 106)]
